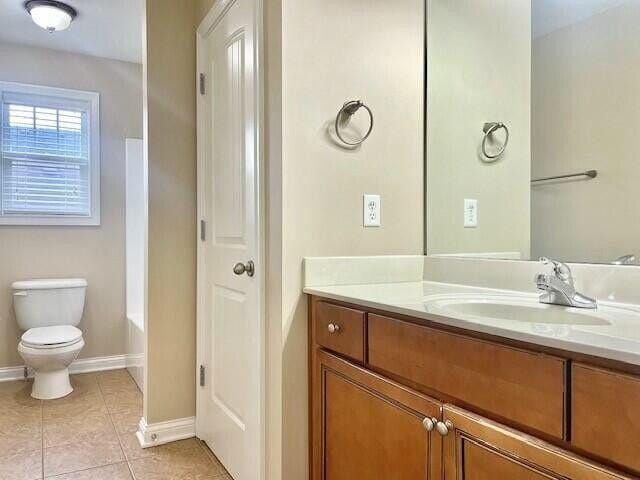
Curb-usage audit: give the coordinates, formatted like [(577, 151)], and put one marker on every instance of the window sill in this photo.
[(49, 221)]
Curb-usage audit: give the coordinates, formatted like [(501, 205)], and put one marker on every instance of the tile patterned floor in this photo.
[(90, 435)]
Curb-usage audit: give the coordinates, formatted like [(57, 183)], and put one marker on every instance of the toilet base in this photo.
[(51, 385), (51, 367)]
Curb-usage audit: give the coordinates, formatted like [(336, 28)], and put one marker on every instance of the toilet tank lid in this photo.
[(49, 283)]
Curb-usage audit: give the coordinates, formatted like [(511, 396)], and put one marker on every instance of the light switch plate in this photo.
[(470, 213), (371, 210)]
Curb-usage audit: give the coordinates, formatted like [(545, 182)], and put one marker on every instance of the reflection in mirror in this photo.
[(562, 77)]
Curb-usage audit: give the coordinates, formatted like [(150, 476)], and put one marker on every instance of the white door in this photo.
[(230, 266)]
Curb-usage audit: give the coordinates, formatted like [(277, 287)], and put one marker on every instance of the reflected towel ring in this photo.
[(489, 128), (347, 111)]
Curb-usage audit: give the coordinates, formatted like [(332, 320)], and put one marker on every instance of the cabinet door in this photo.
[(368, 428), (606, 415), (479, 449)]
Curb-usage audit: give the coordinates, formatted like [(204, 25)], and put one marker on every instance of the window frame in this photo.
[(93, 120)]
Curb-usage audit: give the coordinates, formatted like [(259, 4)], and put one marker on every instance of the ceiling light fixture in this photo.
[(51, 15)]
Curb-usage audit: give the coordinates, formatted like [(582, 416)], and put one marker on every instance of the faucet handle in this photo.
[(560, 269)]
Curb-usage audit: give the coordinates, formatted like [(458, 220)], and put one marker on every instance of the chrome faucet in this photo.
[(559, 287)]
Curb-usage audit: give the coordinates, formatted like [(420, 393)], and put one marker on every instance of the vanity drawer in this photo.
[(606, 414), (340, 329), (523, 387)]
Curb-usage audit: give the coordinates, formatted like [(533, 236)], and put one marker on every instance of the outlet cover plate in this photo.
[(371, 210), (470, 213)]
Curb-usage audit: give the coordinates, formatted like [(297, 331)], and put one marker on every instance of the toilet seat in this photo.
[(51, 337)]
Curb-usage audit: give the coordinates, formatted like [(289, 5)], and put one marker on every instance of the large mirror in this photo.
[(556, 85)]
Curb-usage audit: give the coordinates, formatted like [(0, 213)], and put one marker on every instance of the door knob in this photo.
[(248, 268)]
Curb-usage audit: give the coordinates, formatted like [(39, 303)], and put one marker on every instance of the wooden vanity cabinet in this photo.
[(366, 427), (340, 329), (484, 374), (478, 449), (392, 399), (606, 414)]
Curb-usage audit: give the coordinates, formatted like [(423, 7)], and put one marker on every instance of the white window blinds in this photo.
[(45, 166)]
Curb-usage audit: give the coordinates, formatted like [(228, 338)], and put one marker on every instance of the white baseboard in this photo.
[(98, 364), (83, 365), (165, 432), (134, 360), (8, 374)]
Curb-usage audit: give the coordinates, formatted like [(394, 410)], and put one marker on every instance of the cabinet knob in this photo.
[(429, 424), (443, 428), (333, 328)]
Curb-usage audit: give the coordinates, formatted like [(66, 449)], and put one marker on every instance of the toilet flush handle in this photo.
[(20, 294)]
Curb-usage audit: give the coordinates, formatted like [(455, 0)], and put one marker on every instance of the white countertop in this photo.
[(617, 338)]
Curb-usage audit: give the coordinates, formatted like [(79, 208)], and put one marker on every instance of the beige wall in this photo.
[(586, 115), (171, 137), (273, 75), (479, 64), (95, 253), (334, 51)]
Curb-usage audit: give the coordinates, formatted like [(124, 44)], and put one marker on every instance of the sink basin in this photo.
[(524, 309)]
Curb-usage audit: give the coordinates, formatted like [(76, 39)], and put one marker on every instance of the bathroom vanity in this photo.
[(474, 362), (399, 389)]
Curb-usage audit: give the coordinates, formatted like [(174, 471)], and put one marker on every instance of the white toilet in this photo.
[(49, 311)]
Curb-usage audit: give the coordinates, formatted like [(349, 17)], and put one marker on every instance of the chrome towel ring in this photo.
[(489, 128), (347, 111)]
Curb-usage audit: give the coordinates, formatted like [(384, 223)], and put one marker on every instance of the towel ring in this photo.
[(347, 111), (489, 128)]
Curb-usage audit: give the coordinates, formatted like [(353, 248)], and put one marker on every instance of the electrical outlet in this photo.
[(470, 213), (371, 210)]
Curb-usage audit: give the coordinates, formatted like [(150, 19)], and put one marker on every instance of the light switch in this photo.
[(470, 213), (371, 210)]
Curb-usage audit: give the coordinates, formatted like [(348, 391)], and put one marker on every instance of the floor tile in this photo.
[(126, 422), (16, 403), (77, 429), (83, 455), (120, 387), (112, 375), (124, 402), (133, 450), (17, 389), (189, 464), (87, 382), (211, 456), (118, 471), (117, 381), (131, 447), (20, 437), (20, 415), (21, 466), (78, 403), (90, 434)]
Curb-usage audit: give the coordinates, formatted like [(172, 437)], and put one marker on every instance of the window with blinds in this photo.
[(46, 166)]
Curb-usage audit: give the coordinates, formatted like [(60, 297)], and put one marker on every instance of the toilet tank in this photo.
[(44, 303)]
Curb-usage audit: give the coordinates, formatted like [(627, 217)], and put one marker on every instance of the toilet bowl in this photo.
[(49, 312), (49, 351)]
